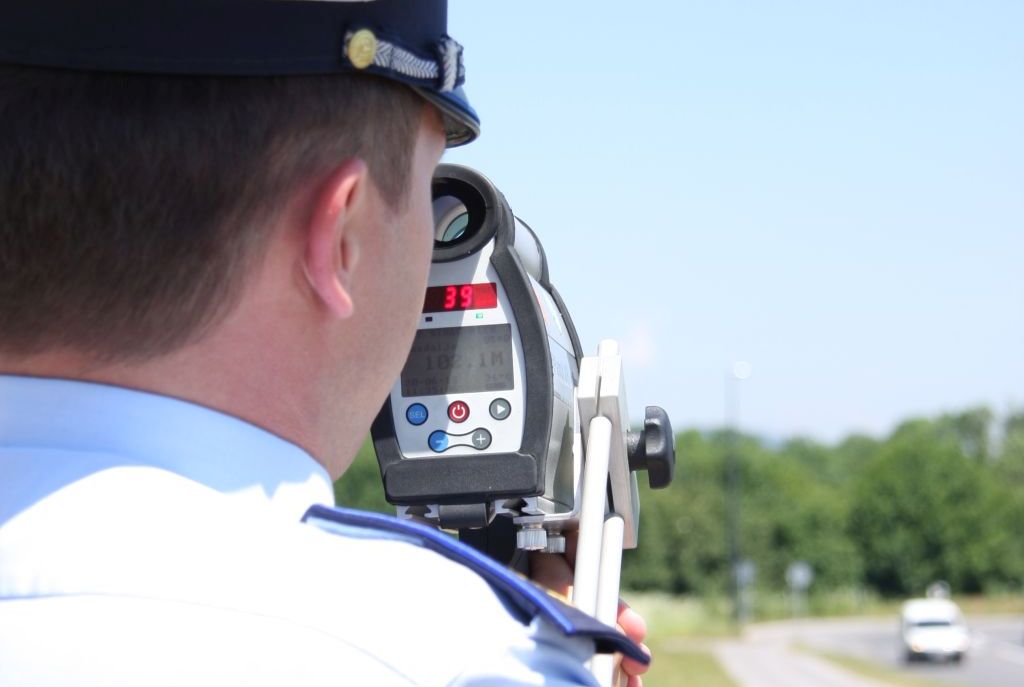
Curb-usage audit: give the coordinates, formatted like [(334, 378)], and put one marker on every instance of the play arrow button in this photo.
[(500, 409)]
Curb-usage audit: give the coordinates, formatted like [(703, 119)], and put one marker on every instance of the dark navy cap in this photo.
[(402, 40)]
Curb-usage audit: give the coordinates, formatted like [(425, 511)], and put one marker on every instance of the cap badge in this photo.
[(362, 48)]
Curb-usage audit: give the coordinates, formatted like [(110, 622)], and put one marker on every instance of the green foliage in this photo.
[(927, 508), (360, 486), (682, 544), (794, 515), (937, 499)]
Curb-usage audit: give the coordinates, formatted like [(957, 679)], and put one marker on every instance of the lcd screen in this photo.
[(458, 360)]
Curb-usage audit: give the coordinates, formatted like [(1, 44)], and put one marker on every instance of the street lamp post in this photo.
[(738, 571)]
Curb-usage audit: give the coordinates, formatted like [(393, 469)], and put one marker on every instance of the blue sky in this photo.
[(832, 191)]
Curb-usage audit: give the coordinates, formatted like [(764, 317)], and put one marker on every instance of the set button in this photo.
[(416, 414)]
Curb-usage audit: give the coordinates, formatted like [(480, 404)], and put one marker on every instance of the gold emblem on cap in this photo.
[(362, 48)]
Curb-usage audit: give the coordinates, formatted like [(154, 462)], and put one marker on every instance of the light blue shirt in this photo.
[(149, 541)]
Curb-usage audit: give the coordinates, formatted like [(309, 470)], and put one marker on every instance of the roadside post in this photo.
[(799, 577)]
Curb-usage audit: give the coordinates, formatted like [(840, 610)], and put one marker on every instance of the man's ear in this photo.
[(332, 248)]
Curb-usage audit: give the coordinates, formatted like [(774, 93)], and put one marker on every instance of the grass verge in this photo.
[(691, 616), (670, 616), (678, 630), (686, 668)]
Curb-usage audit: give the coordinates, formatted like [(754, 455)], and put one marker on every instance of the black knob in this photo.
[(654, 448)]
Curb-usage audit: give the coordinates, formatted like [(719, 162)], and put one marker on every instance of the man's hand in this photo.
[(554, 571)]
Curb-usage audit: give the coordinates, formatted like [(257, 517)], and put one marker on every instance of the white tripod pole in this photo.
[(602, 530)]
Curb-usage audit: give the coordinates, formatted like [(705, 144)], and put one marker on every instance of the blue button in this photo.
[(416, 414), (438, 441)]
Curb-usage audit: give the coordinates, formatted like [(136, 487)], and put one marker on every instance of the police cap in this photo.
[(402, 40)]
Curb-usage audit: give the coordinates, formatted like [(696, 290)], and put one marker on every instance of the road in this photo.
[(772, 662), (766, 656)]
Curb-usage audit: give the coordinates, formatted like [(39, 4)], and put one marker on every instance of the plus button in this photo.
[(481, 439)]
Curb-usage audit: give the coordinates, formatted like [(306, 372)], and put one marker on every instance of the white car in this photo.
[(933, 628)]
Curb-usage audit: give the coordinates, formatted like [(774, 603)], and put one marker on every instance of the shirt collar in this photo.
[(222, 452)]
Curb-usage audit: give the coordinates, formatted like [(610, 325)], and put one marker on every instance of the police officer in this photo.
[(215, 232)]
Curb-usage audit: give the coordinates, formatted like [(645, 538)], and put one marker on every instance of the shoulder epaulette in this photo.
[(524, 598)]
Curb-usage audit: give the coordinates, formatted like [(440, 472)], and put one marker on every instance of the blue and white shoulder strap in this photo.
[(525, 599)]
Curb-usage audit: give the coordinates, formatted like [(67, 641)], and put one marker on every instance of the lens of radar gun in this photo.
[(451, 219)]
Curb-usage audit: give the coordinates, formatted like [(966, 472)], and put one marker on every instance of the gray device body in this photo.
[(483, 420)]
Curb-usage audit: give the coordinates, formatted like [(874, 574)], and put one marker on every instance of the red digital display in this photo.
[(453, 297)]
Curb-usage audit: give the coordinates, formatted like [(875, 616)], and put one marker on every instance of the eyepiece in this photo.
[(451, 220), (459, 214), (468, 212)]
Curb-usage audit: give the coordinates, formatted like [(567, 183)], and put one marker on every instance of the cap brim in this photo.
[(461, 123)]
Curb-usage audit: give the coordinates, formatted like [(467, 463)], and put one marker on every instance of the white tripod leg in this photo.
[(603, 666), (592, 510), (603, 534)]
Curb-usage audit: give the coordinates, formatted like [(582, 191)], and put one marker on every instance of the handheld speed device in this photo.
[(486, 430)]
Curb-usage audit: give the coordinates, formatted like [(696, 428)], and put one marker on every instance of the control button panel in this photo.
[(440, 424), (500, 409), (416, 414), (458, 411)]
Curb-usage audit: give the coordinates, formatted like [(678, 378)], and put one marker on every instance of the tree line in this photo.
[(938, 498)]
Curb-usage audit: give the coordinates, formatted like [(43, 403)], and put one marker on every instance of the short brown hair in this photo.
[(132, 207)]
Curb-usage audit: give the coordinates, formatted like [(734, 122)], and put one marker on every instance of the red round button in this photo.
[(458, 412)]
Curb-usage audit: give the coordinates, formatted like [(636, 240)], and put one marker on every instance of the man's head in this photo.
[(133, 207), (259, 245), (228, 202)]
